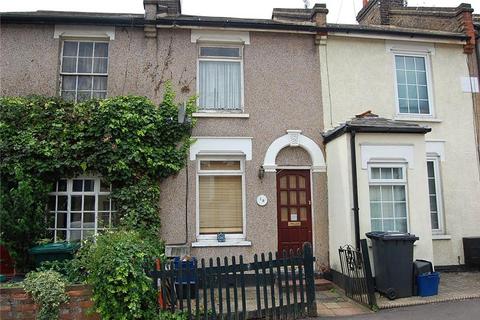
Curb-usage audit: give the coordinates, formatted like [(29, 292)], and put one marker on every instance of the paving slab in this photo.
[(453, 286)]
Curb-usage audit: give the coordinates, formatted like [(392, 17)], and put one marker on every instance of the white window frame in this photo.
[(439, 194), (92, 74), (225, 59), (414, 53), (68, 193), (235, 237), (389, 182)]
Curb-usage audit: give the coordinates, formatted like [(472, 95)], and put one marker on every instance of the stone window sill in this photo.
[(441, 237), (219, 115), (215, 243)]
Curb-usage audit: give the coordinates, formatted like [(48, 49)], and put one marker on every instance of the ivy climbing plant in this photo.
[(129, 141)]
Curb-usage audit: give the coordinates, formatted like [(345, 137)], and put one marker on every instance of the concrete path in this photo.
[(458, 310)]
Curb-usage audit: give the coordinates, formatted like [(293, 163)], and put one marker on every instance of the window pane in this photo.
[(292, 180), (220, 204), (284, 214), (386, 173), (400, 210), (283, 182), (70, 48), (411, 77), (69, 64), (430, 169), (400, 62), (387, 210), (84, 83), (219, 52), (401, 77), (89, 185), (399, 193), (115, 220), (302, 197), (88, 203), (412, 92), (419, 63), (85, 65), (103, 220), (75, 235), (434, 220), (401, 225), (100, 65), (61, 235), (101, 49), (397, 173), (413, 106), (402, 91), (375, 173), (422, 92), (61, 220), (69, 82), (409, 63), (293, 198), (422, 78), (423, 106), (219, 85), (387, 193), (301, 182), (283, 198), (377, 225), (89, 220), (303, 214), (77, 185), (75, 220), (219, 165), (86, 49), (99, 95), (375, 193), (388, 225), (100, 83), (375, 210), (433, 203), (403, 105), (76, 203), (62, 203)]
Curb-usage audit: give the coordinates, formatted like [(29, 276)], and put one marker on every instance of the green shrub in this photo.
[(167, 315), (129, 141), (73, 270), (47, 289), (116, 265)]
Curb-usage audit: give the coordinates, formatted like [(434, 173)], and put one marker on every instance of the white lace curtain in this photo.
[(220, 85)]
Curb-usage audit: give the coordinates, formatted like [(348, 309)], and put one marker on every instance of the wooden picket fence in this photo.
[(281, 287)]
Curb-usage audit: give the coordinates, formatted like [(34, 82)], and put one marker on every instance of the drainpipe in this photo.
[(355, 189)]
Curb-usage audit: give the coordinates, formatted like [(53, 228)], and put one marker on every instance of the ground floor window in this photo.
[(220, 192), (433, 174), (79, 208), (388, 198)]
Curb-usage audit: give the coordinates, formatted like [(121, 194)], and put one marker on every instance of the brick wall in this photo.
[(16, 304)]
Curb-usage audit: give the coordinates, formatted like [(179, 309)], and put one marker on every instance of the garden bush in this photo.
[(48, 291), (116, 265)]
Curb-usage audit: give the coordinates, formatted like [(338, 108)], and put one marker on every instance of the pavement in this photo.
[(458, 310), (453, 286)]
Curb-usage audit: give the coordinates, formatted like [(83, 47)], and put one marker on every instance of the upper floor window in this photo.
[(388, 198), (79, 208), (412, 84), (84, 70), (220, 78)]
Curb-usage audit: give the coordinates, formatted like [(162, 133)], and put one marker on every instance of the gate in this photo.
[(357, 274), (281, 288)]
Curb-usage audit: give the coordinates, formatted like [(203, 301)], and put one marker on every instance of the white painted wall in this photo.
[(360, 77)]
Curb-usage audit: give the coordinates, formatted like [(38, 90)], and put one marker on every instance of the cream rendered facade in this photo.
[(363, 78)]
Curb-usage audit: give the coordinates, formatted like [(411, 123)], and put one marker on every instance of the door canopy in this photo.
[(294, 138)]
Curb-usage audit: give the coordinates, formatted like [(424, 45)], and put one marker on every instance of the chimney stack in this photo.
[(156, 9), (319, 14)]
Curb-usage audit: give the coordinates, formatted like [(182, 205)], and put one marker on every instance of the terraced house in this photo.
[(278, 160)]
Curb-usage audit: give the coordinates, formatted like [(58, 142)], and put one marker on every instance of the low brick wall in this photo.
[(16, 304)]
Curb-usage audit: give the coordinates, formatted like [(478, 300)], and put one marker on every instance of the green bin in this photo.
[(54, 252)]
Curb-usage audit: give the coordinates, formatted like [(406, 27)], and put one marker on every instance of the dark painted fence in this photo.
[(282, 287), (357, 274)]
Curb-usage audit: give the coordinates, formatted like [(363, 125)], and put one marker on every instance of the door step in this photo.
[(323, 285)]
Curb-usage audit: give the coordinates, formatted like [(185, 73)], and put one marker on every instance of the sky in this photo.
[(341, 11)]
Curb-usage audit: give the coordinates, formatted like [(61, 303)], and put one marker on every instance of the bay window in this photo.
[(388, 198)]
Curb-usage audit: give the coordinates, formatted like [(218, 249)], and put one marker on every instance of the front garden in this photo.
[(121, 147)]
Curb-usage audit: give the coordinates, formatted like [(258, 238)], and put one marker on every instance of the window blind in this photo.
[(220, 204)]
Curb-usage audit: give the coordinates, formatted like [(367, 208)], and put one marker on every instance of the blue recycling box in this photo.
[(427, 284)]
